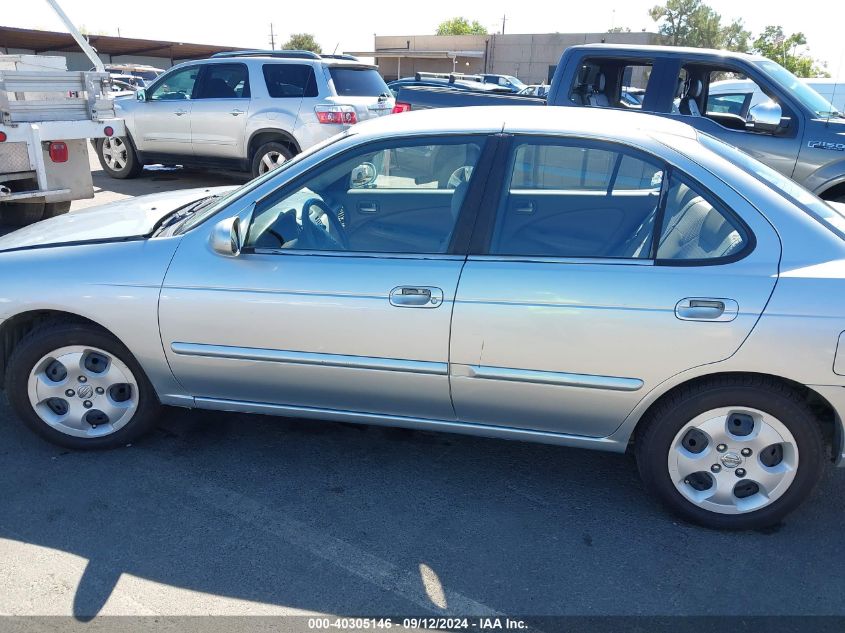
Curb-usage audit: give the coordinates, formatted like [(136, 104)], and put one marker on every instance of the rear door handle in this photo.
[(368, 207), (416, 297), (706, 309), (180, 112), (236, 112)]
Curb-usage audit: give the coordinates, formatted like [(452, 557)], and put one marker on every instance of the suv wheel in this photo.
[(118, 158), (732, 453), (268, 157), (79, 387)]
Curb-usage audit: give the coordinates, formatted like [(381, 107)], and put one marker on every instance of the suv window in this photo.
[(224, 81), (577, 199), (176, 85), (290, 80), (357, 82), (694, 228), (392, 197)]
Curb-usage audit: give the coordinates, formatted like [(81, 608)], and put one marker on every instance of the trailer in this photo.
[(47, 115)]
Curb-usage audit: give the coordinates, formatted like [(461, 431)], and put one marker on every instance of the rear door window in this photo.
[(578, 199), (224, 81), (290, 81), (357, 82)]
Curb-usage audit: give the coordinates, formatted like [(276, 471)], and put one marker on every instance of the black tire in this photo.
[(265, 149), (52, 209), (131, 169), (21, 213), (53, 335), (656, 435)]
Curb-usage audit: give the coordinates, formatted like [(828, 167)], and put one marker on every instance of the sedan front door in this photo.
[(333, 305), (576, 305)]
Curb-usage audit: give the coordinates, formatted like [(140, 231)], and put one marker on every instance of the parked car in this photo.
[(141, 72), (535, 90), (425, 97), (244, 110), (443, 82), (598, 279), (796, 131), (831, 89), (742, 94)]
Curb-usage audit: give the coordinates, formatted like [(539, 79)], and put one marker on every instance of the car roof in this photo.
[(584, 122), (670, 51)]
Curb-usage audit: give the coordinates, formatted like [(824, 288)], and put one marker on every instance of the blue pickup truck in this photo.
[(797, 132)]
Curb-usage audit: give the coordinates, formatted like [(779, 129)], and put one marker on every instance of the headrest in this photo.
[(694, 90), (600, 83)]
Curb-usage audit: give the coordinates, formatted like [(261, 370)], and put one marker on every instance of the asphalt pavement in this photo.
[(218, 513)]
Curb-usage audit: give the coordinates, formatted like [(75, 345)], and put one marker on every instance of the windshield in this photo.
[(357, 82), (808, 97), (813, 205), (516, 83), (202, 215)]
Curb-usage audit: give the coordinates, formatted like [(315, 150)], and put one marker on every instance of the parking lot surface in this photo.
[(218, 513)]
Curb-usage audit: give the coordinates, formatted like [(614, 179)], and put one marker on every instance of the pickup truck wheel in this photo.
[(732, 452), (52, 209), (268, 157), (79, 387), (21, 213), (118, 158)]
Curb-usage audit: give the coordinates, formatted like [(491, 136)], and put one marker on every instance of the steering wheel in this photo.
[(461, 174), (315, 233)]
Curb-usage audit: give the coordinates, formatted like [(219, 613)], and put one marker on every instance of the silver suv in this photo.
[(244, 110)]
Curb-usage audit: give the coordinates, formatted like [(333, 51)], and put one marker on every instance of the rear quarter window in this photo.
[(357, 82)]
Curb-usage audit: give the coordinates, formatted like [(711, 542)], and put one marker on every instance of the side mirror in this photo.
[(226, 237), (141, 94), (764, 117), (364, 175)]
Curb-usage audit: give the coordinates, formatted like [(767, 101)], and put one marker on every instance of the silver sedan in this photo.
[(595, 279)]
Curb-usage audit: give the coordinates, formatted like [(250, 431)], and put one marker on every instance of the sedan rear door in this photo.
[(573, 304)]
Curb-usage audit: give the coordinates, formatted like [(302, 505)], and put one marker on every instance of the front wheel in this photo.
[(79, 387), (118, 158), (732, 453)]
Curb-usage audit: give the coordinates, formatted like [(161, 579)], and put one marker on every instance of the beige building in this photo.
[(532, 58)]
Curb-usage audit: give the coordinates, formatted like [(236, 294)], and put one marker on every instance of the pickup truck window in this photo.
[(808, 97), (610, 83), (289, 80), (577, 200)]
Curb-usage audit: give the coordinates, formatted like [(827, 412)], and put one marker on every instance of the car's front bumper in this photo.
[(836, 397)]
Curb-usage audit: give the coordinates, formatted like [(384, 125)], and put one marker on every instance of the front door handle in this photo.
[(180, 112), (706, 309), (236, 112), (416, 297)]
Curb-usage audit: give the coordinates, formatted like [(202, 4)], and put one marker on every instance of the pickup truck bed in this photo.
[(423, 98)]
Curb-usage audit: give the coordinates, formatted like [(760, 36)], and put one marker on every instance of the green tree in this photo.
[(461, 26), (693, 23), (790, 52), (619, 29), (303, 42)]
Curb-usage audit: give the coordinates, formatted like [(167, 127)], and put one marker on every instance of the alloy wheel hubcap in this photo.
[(271, 160), (83, 391), (733, 460), (114, 152)]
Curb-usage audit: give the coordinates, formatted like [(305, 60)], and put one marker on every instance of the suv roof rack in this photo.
[(259, 53)]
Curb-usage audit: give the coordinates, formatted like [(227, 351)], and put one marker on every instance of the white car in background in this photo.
[(737, 96)]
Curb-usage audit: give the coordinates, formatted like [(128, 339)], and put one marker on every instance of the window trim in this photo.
[(460, 238), (489, 208)]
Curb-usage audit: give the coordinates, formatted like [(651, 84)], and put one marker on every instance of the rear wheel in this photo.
[(732, 453), (268, 157), (118, 158), (21, 213), (52, 209), (79, 387)]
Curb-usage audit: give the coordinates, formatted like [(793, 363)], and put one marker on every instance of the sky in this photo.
[(338, 25)]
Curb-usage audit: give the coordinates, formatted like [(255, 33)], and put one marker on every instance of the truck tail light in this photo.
[(336, 114), (58, 152), (401, 107), (108, 130), (3, 137)]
